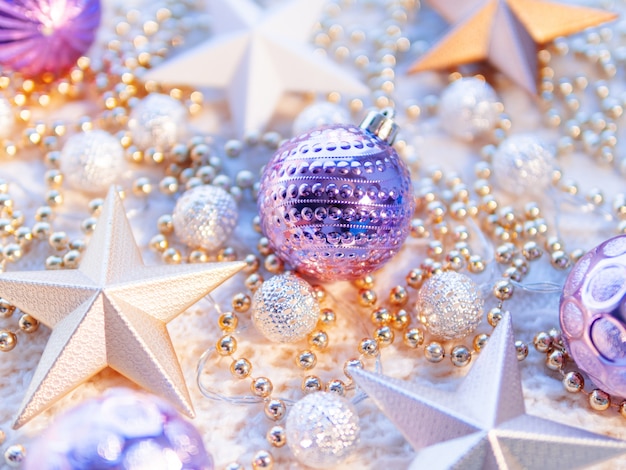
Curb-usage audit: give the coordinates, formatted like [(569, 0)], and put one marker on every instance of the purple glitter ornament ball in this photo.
[(46, 36), (593, 315), (336, 202), (124, 430)]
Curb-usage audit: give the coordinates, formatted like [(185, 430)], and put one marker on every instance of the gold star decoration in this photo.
[(110, 312), (505, 33), (483, 424)]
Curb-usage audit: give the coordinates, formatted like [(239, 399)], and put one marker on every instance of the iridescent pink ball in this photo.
[(124, 430), (593, 315), (336, 202), (46, 36)]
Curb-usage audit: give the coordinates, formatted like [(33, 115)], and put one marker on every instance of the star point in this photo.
[(110, 312), (483, 424), (257, 56), (505, 33)]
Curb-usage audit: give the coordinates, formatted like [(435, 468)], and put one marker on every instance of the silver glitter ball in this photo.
[(318, 115), (449, 305), (468, 109), (322, 430), (7, 119), (92, 161), (205, 217), (523, 164), (157, 121), (285, 309)]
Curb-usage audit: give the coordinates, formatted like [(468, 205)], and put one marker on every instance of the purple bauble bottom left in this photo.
[(124, 430)]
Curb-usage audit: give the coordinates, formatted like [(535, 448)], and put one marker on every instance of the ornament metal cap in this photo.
[(381, 124)]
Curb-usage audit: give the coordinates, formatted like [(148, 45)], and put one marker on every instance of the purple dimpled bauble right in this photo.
[(593, 315)]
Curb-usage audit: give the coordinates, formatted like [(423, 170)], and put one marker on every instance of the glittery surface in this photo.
[(46, 36), (110, 312), (593, 315), (92, 161), (205, 217), (157, 121), (285, 309), (449, 305), (482, 424), (523, 164), (322, 430), (123, 430), (468, 108), (336, 203)]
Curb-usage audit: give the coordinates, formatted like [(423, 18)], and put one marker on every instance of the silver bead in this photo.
[(157, 121), (468, 108), (449, 305), (205, 216), (14, 455), (522, 164), (285, 309), (322, 430), (92, 161)]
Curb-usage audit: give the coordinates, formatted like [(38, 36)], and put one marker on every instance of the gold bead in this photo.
[(542, 342), (241, 302), (368, 347), (434, 352), (252, 264), (159, 243), (311, 383), (494, 316), (460, 356), (274, 264), (413, 338), (504, 253), (54, 198), (264, 246), (171, 256), (476, 264), (54, 262), (415, 278), (336, 386), (6, 308), (318, 339), (71, 259), (262, 460), (261, 387), (276, 436), (454, 260), (560, 260), (227, 254), (253, 282), (142, 186), (226, 345), (319, 292), (28, 323), (328, 316), (573, 382), (58, 240), (381, 316), (165, 224), (168, 185), (367, 298), (351, 363), (622, 409), (8, 340), (398, 296), (531, 251), (228, 321), (480, 341), (306, 360), (503, 290), (12, 252), (400, 319), (555, 360), (275, 409), (384, 336), (241, 368), (599, 400), (198, 256), (88, 225), (366, 282), (521, 350)]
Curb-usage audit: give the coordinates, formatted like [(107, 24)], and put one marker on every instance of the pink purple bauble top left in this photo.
[(40, 37)]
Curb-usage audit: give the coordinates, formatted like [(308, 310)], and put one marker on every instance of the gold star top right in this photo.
[(505, 33)]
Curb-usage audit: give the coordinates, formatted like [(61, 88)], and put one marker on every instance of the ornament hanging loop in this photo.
[(381, 124)]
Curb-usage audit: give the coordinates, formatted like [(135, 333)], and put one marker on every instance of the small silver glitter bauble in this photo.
[(523, 164), (336, 203), (318, 115), (7, 119), (468, 108), (322, 430), (205, 217), (284, 308), (157, 121), (449, 305), (92, 161)]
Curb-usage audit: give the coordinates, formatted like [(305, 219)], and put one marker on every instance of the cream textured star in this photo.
[(483, 424), (110, 312), (257, 56), (505, 33)]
